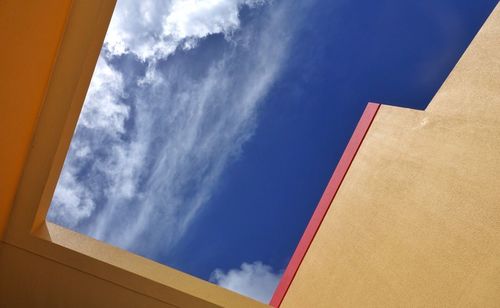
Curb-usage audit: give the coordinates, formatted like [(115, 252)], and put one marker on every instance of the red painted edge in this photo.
[(324, 203)]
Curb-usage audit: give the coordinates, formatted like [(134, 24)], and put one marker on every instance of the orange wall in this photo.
[(30, 34), (416, 221)]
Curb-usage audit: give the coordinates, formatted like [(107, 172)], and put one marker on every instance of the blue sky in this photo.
[(211, 128)]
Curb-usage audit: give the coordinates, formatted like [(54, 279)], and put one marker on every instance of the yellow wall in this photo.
[(50, 50), (416, 222)]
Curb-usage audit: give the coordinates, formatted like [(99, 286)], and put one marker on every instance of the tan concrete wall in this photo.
[(472, 89), (32, 281), (416, 222)]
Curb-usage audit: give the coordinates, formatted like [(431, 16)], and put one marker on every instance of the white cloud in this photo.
[(105, 115), (154, 29), (195, 18), (72, 202), (139, 185), (103, 108), (254, 280)]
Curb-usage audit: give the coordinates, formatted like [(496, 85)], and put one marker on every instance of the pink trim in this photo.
[(324, 203)]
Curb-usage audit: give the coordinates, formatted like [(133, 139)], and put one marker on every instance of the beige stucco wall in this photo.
[(416, 222), (32, 281)]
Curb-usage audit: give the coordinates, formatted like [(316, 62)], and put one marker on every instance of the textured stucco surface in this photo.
[(416, 221)]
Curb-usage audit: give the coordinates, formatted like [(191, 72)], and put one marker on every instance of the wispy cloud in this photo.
[(255, 280), (153, 29), (157, 130)]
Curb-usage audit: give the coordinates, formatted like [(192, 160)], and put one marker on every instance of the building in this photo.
[(410, 217)]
